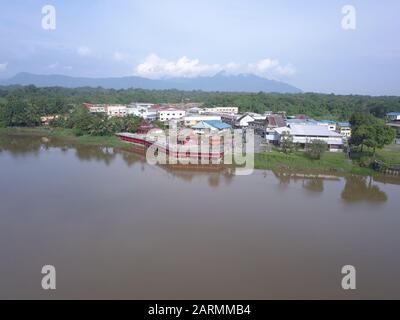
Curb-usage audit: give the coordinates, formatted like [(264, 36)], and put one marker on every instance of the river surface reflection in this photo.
[(116, 227)]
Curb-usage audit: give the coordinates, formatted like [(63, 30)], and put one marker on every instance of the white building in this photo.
[(116, 111), (170, 114), (305, 134), (394, 116), (141, 105), (233, 110), (97, 109)]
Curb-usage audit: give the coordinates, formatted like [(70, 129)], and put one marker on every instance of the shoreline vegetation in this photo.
[(297, 162)]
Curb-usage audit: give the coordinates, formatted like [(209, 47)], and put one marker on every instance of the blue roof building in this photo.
[(220, 125)]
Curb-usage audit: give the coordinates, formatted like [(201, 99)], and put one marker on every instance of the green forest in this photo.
[(31, 102)]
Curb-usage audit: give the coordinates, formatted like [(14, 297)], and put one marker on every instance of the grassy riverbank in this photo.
[(335, 163), (330, 162), (67, 134), (298, 161)]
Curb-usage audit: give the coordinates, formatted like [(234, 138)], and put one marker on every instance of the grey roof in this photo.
[(308, 130)]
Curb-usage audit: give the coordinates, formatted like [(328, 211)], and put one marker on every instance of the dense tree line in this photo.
[(84, 123), (23, 105)]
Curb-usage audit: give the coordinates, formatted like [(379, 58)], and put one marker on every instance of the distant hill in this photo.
[(219, 82)]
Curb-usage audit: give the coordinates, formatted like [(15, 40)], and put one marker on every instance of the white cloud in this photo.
[(271, 67), (84, 51), (123, 57), (232, 67), (3, 66), (57, 65), (53, 66), (156, 67)]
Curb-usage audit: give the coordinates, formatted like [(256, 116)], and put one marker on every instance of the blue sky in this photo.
[(299, 42)]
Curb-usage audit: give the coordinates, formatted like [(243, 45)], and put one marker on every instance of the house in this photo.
[(305, 134), (244, 121), (394, 116), (266, 128), (219, 125), (211, 126), (192, 120), (344, 128)]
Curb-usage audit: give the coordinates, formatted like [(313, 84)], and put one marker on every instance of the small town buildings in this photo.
[(191, 120), (344, 129), (305, 134), (230, 110)]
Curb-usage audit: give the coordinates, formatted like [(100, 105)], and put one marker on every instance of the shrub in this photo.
[(316, 149)]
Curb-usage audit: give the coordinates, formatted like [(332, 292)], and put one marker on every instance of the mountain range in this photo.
[(220, 82)]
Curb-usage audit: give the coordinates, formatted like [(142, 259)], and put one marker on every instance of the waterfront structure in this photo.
[(305, 134), (344, 128), (191, 120), (185, 149)]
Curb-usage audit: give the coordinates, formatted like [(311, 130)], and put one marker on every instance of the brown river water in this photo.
[(115, 227)]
